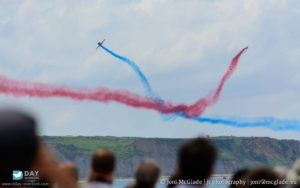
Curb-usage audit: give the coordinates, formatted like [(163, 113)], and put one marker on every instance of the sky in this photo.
[(183, 47)]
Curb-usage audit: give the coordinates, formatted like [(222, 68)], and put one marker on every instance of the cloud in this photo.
[(182, 46)]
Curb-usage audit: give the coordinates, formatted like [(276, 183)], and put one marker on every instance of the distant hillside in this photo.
[(234, 152)]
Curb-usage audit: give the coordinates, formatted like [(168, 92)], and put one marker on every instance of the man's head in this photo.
[(237, 176), (196, 159), (147, 173), (103, 164), (18, 142), (255, 178)]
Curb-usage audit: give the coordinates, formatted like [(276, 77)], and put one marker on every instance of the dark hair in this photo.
[(259, 174), (18, 142), (175, 179), (196, 159), (103, 162), (146, 174), (238, 175)]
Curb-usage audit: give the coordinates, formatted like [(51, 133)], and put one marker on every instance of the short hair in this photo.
[(147, 173), (238, 175), (103, 161), (18, 142), (259, 174), (196, 159)]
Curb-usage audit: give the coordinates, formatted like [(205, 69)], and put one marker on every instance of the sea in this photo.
[(215, 182)]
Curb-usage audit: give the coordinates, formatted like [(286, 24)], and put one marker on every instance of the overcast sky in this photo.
[(184, 48)]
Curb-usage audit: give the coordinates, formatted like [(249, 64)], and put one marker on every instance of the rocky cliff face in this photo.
[(234, 152)]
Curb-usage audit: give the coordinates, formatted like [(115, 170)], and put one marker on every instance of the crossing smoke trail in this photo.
[(142, 77), (267, 122), (198, 107), (104, 95)]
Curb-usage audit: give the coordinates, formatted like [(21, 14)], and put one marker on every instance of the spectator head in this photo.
[(261, 178), (147, 173), (294, 173), (70, 169), (281, 171), (174, 178), (196, 159), (237, 176), (103, 165), (18, 142)]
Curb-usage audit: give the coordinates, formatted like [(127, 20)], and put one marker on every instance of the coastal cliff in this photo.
[(233, 152)]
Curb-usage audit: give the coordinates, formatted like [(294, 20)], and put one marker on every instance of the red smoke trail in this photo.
[(199, 106), (105, 95)]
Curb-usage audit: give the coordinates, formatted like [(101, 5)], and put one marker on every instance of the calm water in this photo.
[(215, 183)]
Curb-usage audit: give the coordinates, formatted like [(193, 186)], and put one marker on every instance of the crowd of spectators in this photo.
[(22, 150)]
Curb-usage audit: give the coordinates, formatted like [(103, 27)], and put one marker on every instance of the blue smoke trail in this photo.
[(136, 69), (143, 79), (266, 122)]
